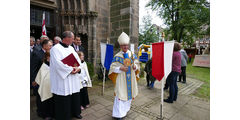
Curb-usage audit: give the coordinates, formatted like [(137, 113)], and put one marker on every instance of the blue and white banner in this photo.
[(106, 55)]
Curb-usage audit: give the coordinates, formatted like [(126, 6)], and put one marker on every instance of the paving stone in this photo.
[(101, 113), (200, 104), (104, 102), (132, 114), (146, 106), (106, 117), (140, 100), (141, 117), (88, 117), (194, 113), (87, 111), (179, 116), (110, 107), (97, 107)]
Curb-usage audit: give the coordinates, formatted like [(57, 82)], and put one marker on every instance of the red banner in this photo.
[(158, 60)]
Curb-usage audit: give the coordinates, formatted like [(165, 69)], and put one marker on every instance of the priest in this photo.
[(65, 84), (124, 72)]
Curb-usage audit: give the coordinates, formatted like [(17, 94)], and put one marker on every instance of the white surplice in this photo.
[(43, 80), (84, 75), (62, 81)]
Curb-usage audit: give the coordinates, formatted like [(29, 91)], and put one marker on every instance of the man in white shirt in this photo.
[(77, 44), (65, 83)]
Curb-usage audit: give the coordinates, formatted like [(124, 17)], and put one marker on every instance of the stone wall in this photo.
[(124, 18), (102, 31)]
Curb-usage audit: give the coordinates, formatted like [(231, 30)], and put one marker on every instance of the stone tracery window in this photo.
[(72, 4), (65, 4)]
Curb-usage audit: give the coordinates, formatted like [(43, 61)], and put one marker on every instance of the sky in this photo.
[(143, 11)]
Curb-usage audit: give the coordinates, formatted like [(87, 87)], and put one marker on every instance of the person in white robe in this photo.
[(124, 72), (44, 90), (86, 82), (65, 83)]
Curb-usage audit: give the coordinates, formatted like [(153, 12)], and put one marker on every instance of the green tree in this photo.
[(148, 33), (185, 19)]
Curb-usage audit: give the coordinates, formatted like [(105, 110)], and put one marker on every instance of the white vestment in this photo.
[(84, 75), (120, 107), (43, 80), (62, 81), (122, 103)]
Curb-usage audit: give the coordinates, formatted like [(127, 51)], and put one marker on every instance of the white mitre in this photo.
[(123, 39)]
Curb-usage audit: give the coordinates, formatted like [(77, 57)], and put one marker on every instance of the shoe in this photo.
[(178, 81), (87, 106), (174, 99), (184, 82), (78, 116), (168, 101), (82, 108), (118, 118)]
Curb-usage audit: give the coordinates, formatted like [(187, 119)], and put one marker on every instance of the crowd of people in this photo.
[(60, 89), (179, 63)]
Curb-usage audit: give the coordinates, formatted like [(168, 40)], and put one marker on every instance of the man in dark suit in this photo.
[(42, 38), (77, 44), (36, 61)]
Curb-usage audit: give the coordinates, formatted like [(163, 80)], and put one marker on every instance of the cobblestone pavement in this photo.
[(146, 106)]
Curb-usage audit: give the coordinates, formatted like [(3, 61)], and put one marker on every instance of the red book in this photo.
[(70, 60)]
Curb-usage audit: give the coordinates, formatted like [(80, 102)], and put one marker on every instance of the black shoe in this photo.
[(179, 81), (118, 118), (168, 101), (174, 99), (78, 116), (184, 82)]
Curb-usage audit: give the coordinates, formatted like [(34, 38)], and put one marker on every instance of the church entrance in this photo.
[(84, 39)]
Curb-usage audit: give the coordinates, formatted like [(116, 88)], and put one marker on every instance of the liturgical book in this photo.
[(70, 60)]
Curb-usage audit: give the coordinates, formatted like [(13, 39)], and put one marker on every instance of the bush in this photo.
[(142, 66), (90, 69)]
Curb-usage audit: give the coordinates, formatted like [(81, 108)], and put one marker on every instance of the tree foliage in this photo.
[(185, 19), (148, 33)]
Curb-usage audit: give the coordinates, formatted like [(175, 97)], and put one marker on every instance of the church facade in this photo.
[(94, 20)]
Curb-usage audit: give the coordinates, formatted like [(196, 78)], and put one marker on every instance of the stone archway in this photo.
[(74, 15)]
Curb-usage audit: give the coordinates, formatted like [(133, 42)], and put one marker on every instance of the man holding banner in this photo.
[(124, 72)]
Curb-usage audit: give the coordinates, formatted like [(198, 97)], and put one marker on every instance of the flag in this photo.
[(44, 30), (162, 59), (106, 55)]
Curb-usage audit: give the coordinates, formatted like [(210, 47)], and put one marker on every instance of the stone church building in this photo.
[(94, 20)]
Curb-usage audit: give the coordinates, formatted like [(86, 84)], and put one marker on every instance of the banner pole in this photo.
[(104, 79), (162, 91)]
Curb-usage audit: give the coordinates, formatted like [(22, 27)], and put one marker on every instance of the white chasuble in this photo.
[(62, 81), (125, 88)]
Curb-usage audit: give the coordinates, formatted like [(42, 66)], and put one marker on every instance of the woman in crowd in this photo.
[(86, 82), (172, 77)]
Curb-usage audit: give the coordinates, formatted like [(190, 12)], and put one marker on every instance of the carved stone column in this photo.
[(94, 42)]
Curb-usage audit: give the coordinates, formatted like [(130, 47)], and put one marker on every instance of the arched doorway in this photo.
[(84, 39)]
